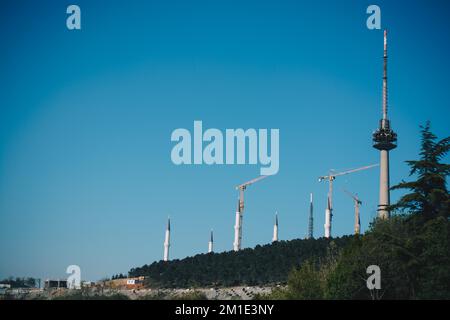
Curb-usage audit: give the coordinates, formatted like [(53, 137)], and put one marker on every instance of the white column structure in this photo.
[(275, 228), (328, 218), (237, 230), (211, 243), (167, 241)]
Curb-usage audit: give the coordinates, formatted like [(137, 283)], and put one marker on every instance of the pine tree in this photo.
[(429, 196)]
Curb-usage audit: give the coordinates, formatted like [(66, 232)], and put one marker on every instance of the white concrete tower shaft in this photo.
[(167, 241), (238, 229), (211, 243), (328, 218), (384, 199), (275, 228)]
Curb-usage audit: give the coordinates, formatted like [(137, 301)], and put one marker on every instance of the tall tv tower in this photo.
[(311, 221), (384, 139)]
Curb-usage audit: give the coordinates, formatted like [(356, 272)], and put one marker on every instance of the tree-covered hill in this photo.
[(266, 264)]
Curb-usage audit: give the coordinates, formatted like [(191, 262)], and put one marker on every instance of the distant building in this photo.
[(55, 284), (4, 287), (127, 283)]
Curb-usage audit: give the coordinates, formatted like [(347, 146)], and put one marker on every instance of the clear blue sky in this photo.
[(86, 117)]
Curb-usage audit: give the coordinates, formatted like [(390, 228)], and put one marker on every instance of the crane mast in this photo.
[(357, 204), (240, 212)]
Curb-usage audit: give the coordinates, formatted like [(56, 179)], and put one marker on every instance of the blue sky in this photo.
[(86, 117)]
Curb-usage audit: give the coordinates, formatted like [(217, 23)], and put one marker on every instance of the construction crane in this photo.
[(357, 203), (330, 178), (240, 211)]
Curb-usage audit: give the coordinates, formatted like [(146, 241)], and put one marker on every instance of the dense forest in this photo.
[(267, 264), (20, 282)]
